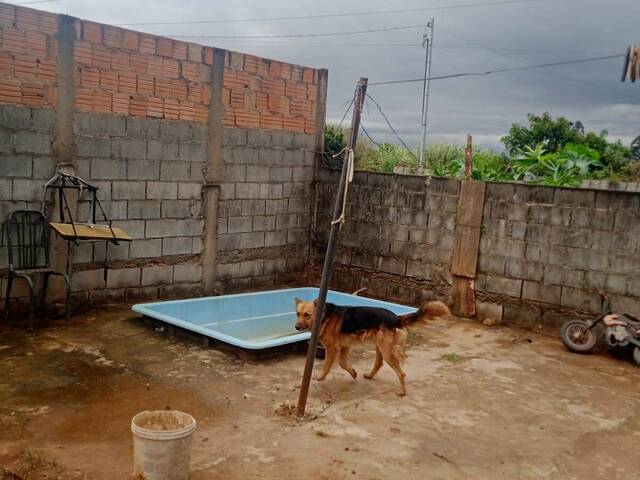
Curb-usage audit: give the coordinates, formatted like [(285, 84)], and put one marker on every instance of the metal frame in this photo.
[(27, 231)]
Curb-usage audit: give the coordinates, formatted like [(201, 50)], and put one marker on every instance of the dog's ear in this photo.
[(298, 301), (315, 302)]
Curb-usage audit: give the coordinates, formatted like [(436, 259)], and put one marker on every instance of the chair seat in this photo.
[(29, 271)]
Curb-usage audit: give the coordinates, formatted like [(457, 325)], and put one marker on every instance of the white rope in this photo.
[(350, 170)]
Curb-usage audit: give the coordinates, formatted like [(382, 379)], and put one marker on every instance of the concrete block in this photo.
[(275, 266), (176, 246), (143, 169), (270, 190), (575, 197), (393, 265), (147, 128), (15, 166), (227, 191), (135, 228), (256, 173), (199, 133), (43, 167), (193, 152), (278, 206), (239, 224), (541, 293), (175, 171), (93, 147), (297, 235), (108, 125), (173, 131), (197, 172), (570, 237), (6, 142), (262, 224), (252, 240), (581, 299), (595, 219), (234, 173), (146, 248), (36, 143), (251, 268), (230, 208), (302, 174), (253, 207), (276, 238), (15, 117), (309, 158), (83, 253), (143, 209), (83, 167), (173, 228), (281, 174), (141, 294), (295, 189), (87, 280), (189, 190), (247, 190), (242, 156), (304, 141), (24, 189), (162, 190), (502, 285), (297, 205), (259, 138), (533, 194), (490, 263), (128, 190), (181, 209), (123, 277), (107, 169), (520, 268), (234, 136), (127, 148), (187, 272), (617, 201), (157, 275), (561, 275), (157, 150), (226, 271)]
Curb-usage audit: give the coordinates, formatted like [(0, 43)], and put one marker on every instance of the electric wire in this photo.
[(386, 119)]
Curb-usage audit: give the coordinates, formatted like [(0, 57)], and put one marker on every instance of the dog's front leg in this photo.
[(330, 356)]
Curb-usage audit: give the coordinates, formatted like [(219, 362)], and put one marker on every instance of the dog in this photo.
[(342, 327)]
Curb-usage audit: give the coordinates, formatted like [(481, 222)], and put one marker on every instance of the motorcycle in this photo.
[(620, 331)]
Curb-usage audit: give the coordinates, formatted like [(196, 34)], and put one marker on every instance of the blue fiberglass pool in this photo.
[(250, 320)]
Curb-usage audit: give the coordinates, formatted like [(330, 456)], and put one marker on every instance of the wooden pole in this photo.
[(361, 91), (468, 158)]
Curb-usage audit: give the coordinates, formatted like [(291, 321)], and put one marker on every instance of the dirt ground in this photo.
[(483, 402)]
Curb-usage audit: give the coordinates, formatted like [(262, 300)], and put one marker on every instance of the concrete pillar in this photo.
[(64, 144), (214, 169)]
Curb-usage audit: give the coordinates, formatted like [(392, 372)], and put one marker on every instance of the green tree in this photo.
[(333, 140)]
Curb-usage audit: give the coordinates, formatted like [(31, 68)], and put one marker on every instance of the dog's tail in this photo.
[(429, 311)]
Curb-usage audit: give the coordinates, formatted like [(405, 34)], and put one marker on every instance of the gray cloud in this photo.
[(537, 31)]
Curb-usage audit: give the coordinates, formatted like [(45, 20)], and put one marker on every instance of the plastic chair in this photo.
[(27, 236)]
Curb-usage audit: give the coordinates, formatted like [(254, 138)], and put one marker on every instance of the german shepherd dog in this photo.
[(342, 327)]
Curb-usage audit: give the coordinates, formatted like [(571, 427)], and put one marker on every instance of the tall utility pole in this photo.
[(427, 43), (336, 225)]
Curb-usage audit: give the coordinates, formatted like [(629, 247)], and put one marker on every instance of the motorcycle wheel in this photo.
[(636, 355), (577, 337)]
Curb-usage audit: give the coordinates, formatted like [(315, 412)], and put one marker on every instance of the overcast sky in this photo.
[(527, 33)]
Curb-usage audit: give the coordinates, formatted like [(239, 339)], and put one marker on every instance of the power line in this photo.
[(303, 35), (501, 70), (35, 1), (364, 130), (330, 15), (391, 126)]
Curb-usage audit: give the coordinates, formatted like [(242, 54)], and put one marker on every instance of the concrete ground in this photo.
[(483, 402)]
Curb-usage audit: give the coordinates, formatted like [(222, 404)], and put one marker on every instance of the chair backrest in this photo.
[(27, 236)]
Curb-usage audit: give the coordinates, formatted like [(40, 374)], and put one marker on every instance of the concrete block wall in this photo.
[(398, 237), (546, 252), (265, 207)]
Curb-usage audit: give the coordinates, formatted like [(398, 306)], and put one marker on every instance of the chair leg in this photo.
[(43, 294), (32, 300), (67, 285), (8, 296)]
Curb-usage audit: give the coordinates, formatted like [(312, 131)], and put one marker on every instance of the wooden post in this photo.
[(361, 91), (468, 159), (466, 246)]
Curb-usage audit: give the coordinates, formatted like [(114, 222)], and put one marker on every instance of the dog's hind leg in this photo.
[(329, 358), (394, 360), (344, 362), (376, 366)]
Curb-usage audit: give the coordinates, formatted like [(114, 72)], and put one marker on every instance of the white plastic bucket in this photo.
[(162, 444)]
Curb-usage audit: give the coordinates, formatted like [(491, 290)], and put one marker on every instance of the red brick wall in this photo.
[(131, 73)]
